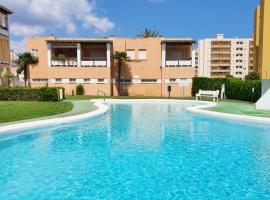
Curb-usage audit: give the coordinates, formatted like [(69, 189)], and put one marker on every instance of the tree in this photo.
[(253, 76), (24, 61), (9, 77), (80, 89), (148, 33), (121, 58)]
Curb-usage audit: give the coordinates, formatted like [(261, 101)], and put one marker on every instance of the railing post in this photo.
[(79, 54), (49, 54), (108, 49), (163, 52)]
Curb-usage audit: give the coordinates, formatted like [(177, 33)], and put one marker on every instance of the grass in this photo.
[(21, 110), (239, 108)]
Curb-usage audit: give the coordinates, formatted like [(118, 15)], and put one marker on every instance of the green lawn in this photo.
[(21, 110), (239, 108)]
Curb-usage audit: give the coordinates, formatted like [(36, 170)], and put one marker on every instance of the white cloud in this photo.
[(71, 28), (45, 15), (100, 24), (18, 46), (18, 29)]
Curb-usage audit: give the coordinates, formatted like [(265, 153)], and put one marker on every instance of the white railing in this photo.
[(64, 63), (94, 63), (178, 63)]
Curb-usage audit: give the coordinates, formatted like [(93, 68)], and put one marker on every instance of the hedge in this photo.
[(234, 88), (29, 94)]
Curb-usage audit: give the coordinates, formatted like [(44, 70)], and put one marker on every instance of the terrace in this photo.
[(177, 54), (79, 54)]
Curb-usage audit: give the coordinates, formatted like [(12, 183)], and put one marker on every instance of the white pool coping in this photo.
[(102, 108)]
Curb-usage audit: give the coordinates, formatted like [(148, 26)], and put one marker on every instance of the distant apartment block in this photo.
[(221, 57), (4, 41), (262, 39), (195, 61), (154, 64)]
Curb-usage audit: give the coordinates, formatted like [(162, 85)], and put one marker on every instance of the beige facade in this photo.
[(4, 41), (155, 63), (221, 57), (262, 39)]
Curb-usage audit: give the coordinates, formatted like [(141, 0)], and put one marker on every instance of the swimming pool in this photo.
[(138, 151)]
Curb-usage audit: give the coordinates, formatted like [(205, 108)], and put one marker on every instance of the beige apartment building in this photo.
[(4, 41), (154, 64), (221, 57), (262, 39)]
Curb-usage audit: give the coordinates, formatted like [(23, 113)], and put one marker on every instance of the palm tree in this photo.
[(24, 60), (148, 33), (120, 57)]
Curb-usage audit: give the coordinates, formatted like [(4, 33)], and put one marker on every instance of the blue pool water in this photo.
[(139, 151)]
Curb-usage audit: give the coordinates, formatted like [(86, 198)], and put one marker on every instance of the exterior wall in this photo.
[(262, 53), (142, 76), (50, 73), (221, 57), (256, 46), (4, 44)]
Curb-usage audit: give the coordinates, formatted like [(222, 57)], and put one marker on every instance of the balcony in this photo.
[(64, 55), (79, 54), (93, 55), (178, 55), (178, 63), (3, 31)]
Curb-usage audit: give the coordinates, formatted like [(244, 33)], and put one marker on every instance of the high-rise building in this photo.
[(4, 41), (262, 39), (221, 57)]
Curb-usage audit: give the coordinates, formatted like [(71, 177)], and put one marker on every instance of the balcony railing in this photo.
[(63, 63), (93, 63), (3, 31), (178, 63)]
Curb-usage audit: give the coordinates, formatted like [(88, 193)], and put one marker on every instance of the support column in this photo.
[(108, 46), (163, 52), (78, 54), (49, 54)]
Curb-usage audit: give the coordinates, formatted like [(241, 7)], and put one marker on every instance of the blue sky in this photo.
[(100, 18)]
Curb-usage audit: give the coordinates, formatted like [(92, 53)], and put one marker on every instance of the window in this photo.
[(40, 80), (86, 80), (72, 80), (142, 54), (149, 80), (4, 21), (124, 81), (58, 80), (101, 80), (172, 80), (131, 54), (34, 52)]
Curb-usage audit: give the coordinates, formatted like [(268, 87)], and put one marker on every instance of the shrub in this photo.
[(253, 76), (28, 94), (206, 84), (235, 88), (80, 89)]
